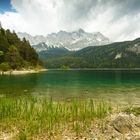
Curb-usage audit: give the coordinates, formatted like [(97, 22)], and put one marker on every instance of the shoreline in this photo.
[(21, 72), (100, 69)]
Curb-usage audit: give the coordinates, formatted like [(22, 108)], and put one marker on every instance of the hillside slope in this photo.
[(116, 55)]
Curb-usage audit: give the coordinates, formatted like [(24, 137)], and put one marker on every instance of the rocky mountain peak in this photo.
[(75, 40), (81, 30)]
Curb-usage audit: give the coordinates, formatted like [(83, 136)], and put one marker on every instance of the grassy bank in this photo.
[(32, 116)]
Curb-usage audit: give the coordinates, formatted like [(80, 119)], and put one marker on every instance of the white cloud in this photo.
[(32, 16), (46, 16)]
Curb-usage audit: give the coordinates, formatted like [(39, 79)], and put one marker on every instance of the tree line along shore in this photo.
[(16, 54)]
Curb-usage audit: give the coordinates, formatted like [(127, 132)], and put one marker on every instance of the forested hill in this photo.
[(116, 55), (16, 54)]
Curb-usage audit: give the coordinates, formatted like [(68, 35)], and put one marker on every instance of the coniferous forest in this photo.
[(115, 55), (16, 54)]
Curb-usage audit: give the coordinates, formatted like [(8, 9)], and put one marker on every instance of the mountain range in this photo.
[(80, 49), (116, 55), (75, 40)]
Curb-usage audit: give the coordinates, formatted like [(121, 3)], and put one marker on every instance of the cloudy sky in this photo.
[(117, 19)]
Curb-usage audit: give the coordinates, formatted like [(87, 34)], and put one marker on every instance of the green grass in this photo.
[(133, 110), (32, 115)]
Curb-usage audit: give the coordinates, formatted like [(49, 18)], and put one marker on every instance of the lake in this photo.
[(119, 85)]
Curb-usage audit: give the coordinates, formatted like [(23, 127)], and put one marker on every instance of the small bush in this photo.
[(4, 66)]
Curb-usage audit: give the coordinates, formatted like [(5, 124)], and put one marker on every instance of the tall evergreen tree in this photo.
[(16, 53)]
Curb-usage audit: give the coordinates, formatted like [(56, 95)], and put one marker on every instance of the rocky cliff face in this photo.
[(75, 40)]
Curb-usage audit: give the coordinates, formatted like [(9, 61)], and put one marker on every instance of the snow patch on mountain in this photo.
[(75, 40)]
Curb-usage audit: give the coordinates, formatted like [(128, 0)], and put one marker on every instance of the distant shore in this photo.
[(117, 69), (20, 72)]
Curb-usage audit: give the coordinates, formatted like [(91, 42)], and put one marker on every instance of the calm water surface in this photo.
[(111, 85)]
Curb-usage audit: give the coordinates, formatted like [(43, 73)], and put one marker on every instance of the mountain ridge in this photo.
[(74, 40), (124, 54)]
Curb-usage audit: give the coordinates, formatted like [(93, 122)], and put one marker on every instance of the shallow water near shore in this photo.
[(115, 85)]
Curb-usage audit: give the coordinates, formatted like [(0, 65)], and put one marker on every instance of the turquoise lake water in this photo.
[(114, 85)]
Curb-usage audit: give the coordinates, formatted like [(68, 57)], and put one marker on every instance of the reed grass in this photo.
[(36, 115)]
